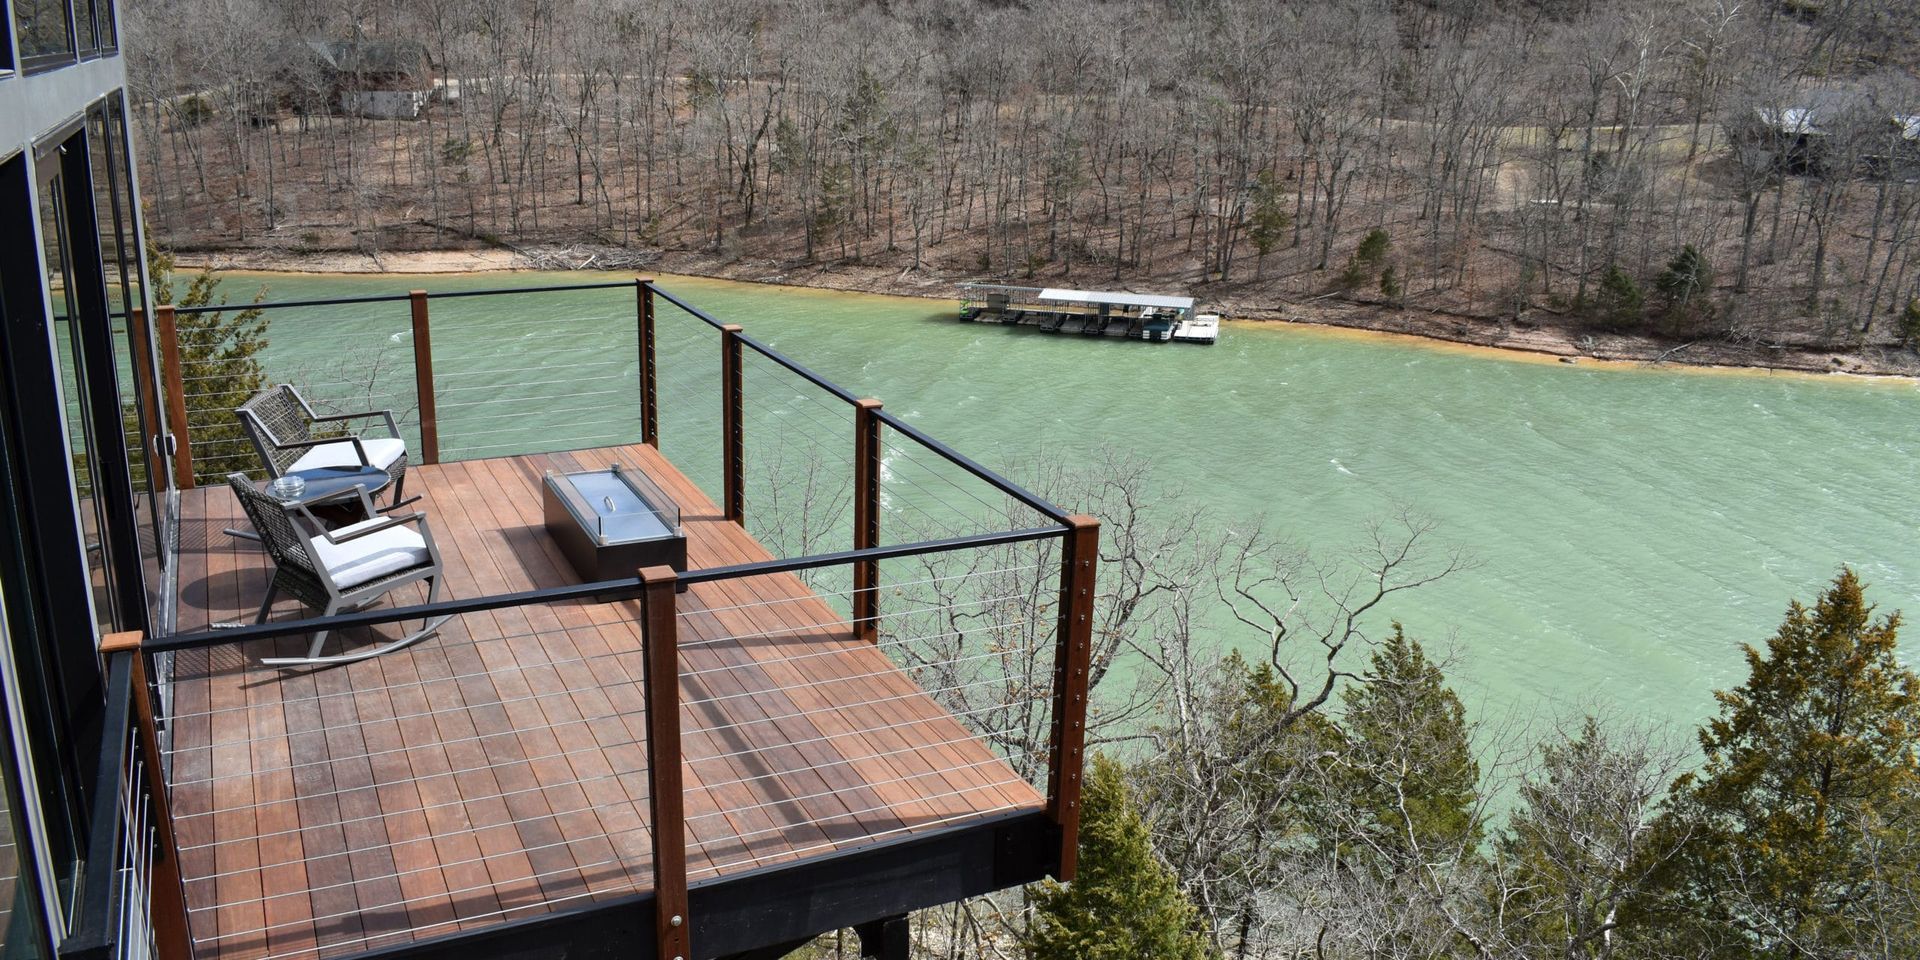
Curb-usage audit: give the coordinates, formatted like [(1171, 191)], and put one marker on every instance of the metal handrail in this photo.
[(95, 931), (629, 586), (401, 297), (968, 464)]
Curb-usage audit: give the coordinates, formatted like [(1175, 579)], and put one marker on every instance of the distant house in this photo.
[(1799, 134), (382, 79)]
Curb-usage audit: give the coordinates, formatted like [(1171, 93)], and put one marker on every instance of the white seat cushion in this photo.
[(370, 557), (383, 451)]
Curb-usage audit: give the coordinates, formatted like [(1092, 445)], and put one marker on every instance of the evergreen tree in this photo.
[(1808, 766), (1618, 303), (1270, 219), (1684, 286), (219, 366), (1367, 260), (1124, 904), (1413, 778), (1910, 324), (1390, 285), (1687, 277)]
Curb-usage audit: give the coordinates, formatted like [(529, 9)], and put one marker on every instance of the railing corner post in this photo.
[(168, 904), (175, 388), (665, 797), (649, 366), (866, 518), (423, 378), (732, 425), (1080, 556)]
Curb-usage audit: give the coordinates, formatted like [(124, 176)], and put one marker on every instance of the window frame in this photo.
[(42, 62)]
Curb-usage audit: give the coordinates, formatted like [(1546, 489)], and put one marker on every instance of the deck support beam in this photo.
[(665, 798), (866, 519), (649, 367), (1080, 554), (733, 437), (423, 379)]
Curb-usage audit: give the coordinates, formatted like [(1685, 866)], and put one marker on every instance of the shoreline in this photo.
[(1518, 336)]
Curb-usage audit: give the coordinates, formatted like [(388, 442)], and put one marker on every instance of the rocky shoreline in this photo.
[(1539, 335)]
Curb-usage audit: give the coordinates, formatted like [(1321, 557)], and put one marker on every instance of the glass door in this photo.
[(91, 488)]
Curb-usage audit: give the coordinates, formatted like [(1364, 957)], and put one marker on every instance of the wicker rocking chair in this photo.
[(342, 569), (281, 424)]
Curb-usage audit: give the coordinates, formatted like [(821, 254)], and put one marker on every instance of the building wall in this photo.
[(33, 105), (383, 104)]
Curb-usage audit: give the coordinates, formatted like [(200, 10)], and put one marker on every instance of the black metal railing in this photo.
[(1000, 530), (128, 903)]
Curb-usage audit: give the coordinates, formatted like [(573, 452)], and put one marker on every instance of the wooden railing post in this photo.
[(176, 391), (423, 379), (1080, 554), (660, 623), (649, 367), (151, 448), (732, 428), (168, 904), (866, 519)]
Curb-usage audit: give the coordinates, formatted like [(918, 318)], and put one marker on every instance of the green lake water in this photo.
[(1632, 526)]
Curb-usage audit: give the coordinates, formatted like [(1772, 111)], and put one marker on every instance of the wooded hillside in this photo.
[(1699, 169)]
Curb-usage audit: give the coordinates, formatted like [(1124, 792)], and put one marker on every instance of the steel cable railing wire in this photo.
[(885, 748), (507, 380), (339, 363), (940, 709), (688, 392)]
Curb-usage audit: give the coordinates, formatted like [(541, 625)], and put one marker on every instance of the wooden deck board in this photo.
[(499, 769)]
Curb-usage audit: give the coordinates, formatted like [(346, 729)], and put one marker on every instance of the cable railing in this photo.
[(129, 904), (508, 764), (910, 653)]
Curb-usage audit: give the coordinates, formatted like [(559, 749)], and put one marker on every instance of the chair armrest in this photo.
[(357, 447), (386, 415), (384, 523), (408, 502)]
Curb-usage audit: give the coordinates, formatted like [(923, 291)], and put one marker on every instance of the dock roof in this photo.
[(1063, 295)]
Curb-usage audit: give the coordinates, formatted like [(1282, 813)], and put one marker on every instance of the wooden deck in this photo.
[(498, 770)]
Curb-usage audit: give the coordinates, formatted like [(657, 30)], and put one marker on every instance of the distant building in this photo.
[(1798, 136), (381, 79)]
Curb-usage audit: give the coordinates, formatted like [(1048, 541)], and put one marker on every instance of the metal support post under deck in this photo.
[(665, 798), (866, 519), (1073, 653), (888, 939), (732, 428)]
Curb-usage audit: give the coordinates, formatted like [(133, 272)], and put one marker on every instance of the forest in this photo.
[(1727, 171)]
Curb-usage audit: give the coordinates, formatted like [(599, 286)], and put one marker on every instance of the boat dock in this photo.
[(1133, 316)]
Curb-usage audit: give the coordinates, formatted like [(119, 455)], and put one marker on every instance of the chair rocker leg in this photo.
[(313, 659)]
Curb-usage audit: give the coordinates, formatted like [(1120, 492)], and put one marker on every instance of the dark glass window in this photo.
[(45, 31), (106, 33), (83, 35), (22, 930), (93, 24), (133, 367), (84, 447)]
